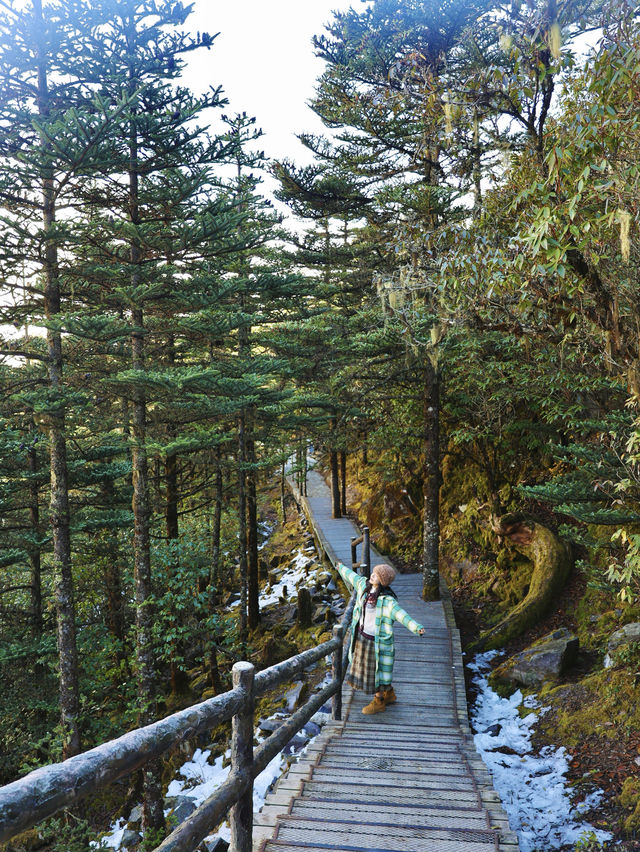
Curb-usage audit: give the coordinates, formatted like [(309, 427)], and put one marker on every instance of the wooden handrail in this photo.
[(43, 792)]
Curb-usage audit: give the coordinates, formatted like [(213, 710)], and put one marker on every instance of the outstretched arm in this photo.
[(405, 619), (349, 577)]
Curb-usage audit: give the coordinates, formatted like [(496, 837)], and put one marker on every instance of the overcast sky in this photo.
[(263, 58)]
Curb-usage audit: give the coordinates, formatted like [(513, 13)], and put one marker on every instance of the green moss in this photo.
[(629, 798), (517, 581), (605, 703), (24, 842)]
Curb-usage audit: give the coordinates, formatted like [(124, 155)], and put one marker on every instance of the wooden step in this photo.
[(370, 794), (346, 836)]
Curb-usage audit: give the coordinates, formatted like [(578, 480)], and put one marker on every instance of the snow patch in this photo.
[(296, 574), (532, 786)]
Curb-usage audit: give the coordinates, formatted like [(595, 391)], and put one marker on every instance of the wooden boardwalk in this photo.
[(406, 780)]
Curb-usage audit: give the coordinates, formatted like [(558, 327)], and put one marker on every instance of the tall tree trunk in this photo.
[(253, 587), (343, 482), (152, 811), (114, 615), (431, 483), (59, 498), (172, 532), (35, 582), (283, 493), (113, 584), (242, 528), (153, 815), (335, 478), (214, 576), (305, 470), (177, 676)]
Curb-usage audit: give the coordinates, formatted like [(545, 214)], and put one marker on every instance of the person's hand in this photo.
[(421, 631)]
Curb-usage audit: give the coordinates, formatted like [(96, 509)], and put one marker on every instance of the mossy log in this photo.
[(551, 560)]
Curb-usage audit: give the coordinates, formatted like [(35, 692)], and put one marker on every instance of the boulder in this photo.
[(295, 697), (311, 729), (320, 614), (268, 726), (456, 572), (618, 640), (182, 809), (216, 845), (136, 814), (546, 659), (130, 839), (295, 744)]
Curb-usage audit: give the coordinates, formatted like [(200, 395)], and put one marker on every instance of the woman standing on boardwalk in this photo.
[(371, 652)]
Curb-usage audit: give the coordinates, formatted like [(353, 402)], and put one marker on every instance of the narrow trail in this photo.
[(408, 779)]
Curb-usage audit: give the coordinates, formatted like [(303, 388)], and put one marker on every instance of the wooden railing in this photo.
[(42, 793)]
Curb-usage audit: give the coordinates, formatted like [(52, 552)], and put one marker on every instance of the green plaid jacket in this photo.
[(388, 610)]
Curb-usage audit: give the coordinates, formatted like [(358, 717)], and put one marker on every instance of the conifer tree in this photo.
[(40, 82)]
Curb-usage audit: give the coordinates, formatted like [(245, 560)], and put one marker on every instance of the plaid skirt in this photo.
[(362, 672)]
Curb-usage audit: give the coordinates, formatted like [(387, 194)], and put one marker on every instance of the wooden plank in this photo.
[(403, 839), (365, 794), (417, 817)]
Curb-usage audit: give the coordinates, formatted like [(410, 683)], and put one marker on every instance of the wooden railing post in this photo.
[(366, 553), (336, 701), (354, 553), (241, 815)]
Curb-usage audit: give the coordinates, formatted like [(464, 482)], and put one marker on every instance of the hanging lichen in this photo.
[(554, 38), (624, 217), (505, 41), (448, 117)]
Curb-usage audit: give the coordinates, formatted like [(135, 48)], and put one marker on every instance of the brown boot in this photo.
[(377, 705), (390, 696)]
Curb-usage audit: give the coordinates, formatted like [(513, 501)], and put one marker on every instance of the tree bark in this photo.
[(152, 812), (242, 528), (214, 574), (59, 498), (253, 587), (172, 530), (335, 477), (34, 552), (551, 564), (283, 493), (431, 484), (114, 615), (343, 482)]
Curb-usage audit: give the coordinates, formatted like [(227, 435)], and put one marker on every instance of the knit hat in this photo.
[(386, 574)]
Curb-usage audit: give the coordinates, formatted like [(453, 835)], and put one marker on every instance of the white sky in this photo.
[(264, 60)]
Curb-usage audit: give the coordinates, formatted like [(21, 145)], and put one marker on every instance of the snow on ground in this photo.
[(532, 786), (296, 574), (112, 840)]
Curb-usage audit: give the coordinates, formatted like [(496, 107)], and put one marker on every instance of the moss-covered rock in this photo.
[(629, 798), (623, 644), (27, 841), (545, 660), (605, 703)]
